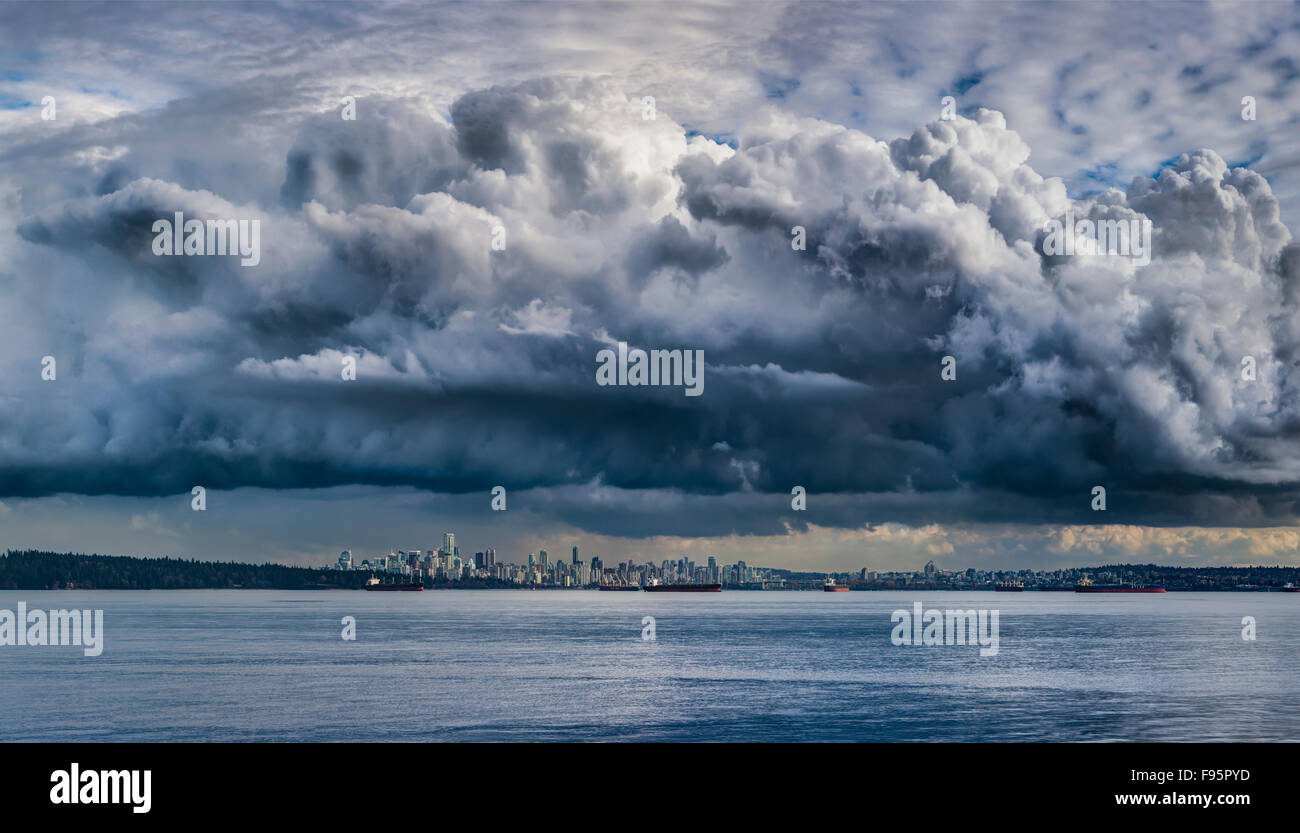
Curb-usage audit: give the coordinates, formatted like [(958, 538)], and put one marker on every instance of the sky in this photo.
[(523, 186)]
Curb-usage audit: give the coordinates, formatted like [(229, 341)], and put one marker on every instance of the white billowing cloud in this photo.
[(983, 163), (540, 319), (330, 365), (1156, 348), (476, 364)]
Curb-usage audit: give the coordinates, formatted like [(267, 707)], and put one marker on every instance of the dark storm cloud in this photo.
[(477, 367)]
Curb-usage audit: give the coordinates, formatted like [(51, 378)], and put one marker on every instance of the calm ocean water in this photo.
[(252, 665)]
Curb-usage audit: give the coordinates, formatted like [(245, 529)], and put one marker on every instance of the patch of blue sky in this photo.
[(13, 102), (1254, 154), (1102, 172), (727, 139), (964, 84), (1165, 163), (1092, 181), (113, 93)]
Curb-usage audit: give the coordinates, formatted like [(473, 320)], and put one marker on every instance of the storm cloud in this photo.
[(475, 364)]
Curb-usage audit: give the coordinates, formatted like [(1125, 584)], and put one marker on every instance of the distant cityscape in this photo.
[(445, 566), (41, 570)]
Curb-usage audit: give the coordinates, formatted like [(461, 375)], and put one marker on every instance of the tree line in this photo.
[(37, 570)]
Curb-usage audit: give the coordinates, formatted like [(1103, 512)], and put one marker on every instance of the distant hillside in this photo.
[(35, 570)]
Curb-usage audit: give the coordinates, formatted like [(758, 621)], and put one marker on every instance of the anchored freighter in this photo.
[(1085, 585)]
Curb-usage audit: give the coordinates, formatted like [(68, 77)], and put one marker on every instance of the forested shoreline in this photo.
[(37, 570)]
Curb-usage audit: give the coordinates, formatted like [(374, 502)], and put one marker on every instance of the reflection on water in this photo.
[(571, 665)]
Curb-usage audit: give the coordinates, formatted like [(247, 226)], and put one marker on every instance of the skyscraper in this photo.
[(575, 555), (449, 543)]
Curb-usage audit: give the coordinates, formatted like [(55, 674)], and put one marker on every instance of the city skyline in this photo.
[(780, 285), (370, 521), (450, 568)]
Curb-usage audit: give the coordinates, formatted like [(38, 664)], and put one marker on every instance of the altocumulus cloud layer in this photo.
[(476, 367)]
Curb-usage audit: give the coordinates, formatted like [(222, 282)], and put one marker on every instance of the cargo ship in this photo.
[(683, 588), (619, 587), (1086, 585), (830, 586), (376, 584), (1009, 587)]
